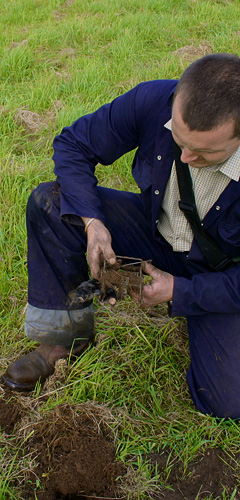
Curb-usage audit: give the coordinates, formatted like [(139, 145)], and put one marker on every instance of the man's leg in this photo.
[(214, 373), (56, 265)]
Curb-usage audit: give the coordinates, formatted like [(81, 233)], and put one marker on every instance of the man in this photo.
[(73, 215)]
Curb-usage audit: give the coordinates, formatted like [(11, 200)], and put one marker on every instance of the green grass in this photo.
[(61, 59)]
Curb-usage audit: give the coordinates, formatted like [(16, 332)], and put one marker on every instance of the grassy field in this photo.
[(60, 59)]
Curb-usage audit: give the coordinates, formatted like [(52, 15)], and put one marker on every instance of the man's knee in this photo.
[(44, 196), (214, 374), (218, 397)]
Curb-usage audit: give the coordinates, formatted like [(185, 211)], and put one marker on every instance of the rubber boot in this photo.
[(38, 365)]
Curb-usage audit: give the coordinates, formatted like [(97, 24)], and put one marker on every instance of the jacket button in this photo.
[(218, 207), (156, 191), (159, 157)]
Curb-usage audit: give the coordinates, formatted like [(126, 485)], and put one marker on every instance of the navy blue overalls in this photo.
[(57, 242)]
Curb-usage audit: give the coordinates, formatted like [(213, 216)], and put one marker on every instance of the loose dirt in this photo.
[(206, 477), (73, 456), (10, 413), (80, 458), (190, 53), (33, 123)]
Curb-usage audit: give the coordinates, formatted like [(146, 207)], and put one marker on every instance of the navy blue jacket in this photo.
[(136, 120)]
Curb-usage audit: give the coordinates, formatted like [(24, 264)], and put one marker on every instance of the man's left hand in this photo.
[(159, 290)]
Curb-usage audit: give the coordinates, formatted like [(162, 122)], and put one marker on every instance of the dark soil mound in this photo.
[(76, 456), (209, 476), (10, 412), (74, 451)]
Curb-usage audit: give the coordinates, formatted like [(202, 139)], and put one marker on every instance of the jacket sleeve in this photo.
[(103, 137), (213, 292), (100, 137)]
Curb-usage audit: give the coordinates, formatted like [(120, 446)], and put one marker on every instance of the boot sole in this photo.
[(16, 386)]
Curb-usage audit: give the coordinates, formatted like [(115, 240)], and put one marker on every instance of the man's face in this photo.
[(203, 149)]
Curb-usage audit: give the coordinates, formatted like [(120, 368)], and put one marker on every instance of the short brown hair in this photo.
[(209, 90)]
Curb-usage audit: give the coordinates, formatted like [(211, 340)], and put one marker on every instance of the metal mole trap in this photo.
[(115, 282)]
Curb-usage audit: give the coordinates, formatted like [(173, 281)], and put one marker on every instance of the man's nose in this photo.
[(187, 155)]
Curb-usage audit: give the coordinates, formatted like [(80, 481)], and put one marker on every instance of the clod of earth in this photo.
[(73, 451), (10, 413)]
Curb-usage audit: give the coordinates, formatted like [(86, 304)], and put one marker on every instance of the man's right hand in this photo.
[(99, 246)]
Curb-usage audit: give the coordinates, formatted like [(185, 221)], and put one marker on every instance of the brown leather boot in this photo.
[(25, 372)]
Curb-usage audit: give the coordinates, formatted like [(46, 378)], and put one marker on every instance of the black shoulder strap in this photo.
[(214, 256)]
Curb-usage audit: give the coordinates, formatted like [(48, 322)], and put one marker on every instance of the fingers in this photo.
[(149, 269), (109, 255), (99, 247), (97, 256), (94, 267), (140, 301)]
